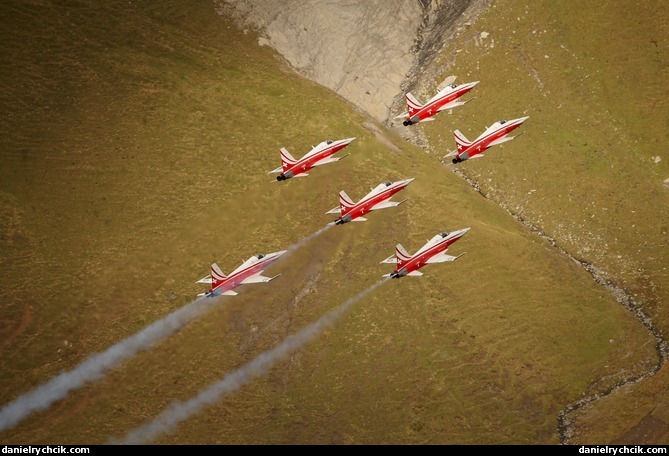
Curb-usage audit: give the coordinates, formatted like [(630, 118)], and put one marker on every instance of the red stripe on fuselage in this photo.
[(430, 109), (482, 144), (234, 280), (420, 260), (306, 163), (364, 206)]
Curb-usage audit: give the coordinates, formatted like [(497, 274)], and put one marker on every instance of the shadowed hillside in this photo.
[(135, 145)]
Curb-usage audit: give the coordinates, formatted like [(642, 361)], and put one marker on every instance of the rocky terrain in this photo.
[(368, 52), (372, 53)]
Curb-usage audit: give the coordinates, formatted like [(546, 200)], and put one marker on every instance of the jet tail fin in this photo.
[(461, 140), (401, 255), (413, 104), (345, 202), (287, 160)]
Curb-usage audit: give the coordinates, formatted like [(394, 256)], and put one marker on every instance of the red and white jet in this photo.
[(373, 201), (492, 136), (319, 155), (249, 272), (445, 99), (432, 252)]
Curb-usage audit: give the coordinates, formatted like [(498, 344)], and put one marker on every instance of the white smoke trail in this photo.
[(178, 411), (96, 365), (306, 239)]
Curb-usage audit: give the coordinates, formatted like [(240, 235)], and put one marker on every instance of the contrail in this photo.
[(306, 239), (96, 365), (178, 411)]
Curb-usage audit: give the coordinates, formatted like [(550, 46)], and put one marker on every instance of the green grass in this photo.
[(592, 79), (136, 148)]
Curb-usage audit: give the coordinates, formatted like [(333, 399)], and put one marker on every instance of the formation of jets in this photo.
[(434, 251)]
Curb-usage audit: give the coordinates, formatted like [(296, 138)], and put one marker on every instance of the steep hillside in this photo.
[(588, 171), (593, 180), (136, 143)]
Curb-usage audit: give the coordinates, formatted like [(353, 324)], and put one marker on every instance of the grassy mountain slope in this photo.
[(135, 148), (591, 169)]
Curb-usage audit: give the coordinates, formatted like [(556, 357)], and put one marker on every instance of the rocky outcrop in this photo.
[(363, 50)]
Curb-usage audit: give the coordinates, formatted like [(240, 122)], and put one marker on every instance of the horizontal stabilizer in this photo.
[(301, 175), (403, 116), (452, 154), (428, 119), (477, 156), (359, 219), (336, 210), (386, 205), (278, 170), (209, 280), (392, 259), (258, 279), (415, 274), (230, 293)]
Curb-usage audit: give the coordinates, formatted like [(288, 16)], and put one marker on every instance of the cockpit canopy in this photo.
[(329, 141), (453, 86), (502, 122), (444, 234), (260, 256), (388, 184)]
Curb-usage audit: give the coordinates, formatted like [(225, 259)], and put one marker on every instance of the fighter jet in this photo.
[(445, 99), (492, 136), (249, 272), (374, 200), (319, 155), (432, 252)]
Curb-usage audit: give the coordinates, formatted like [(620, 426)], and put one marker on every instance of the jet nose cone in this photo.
[(275, 254), (408, 181), (523, 119), (349, 140), (463, 231)]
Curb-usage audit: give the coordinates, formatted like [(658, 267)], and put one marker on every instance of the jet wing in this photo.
[(502, 140), (453, 104), (257, 278), (385, 205), (442, 258), (325, 161)]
